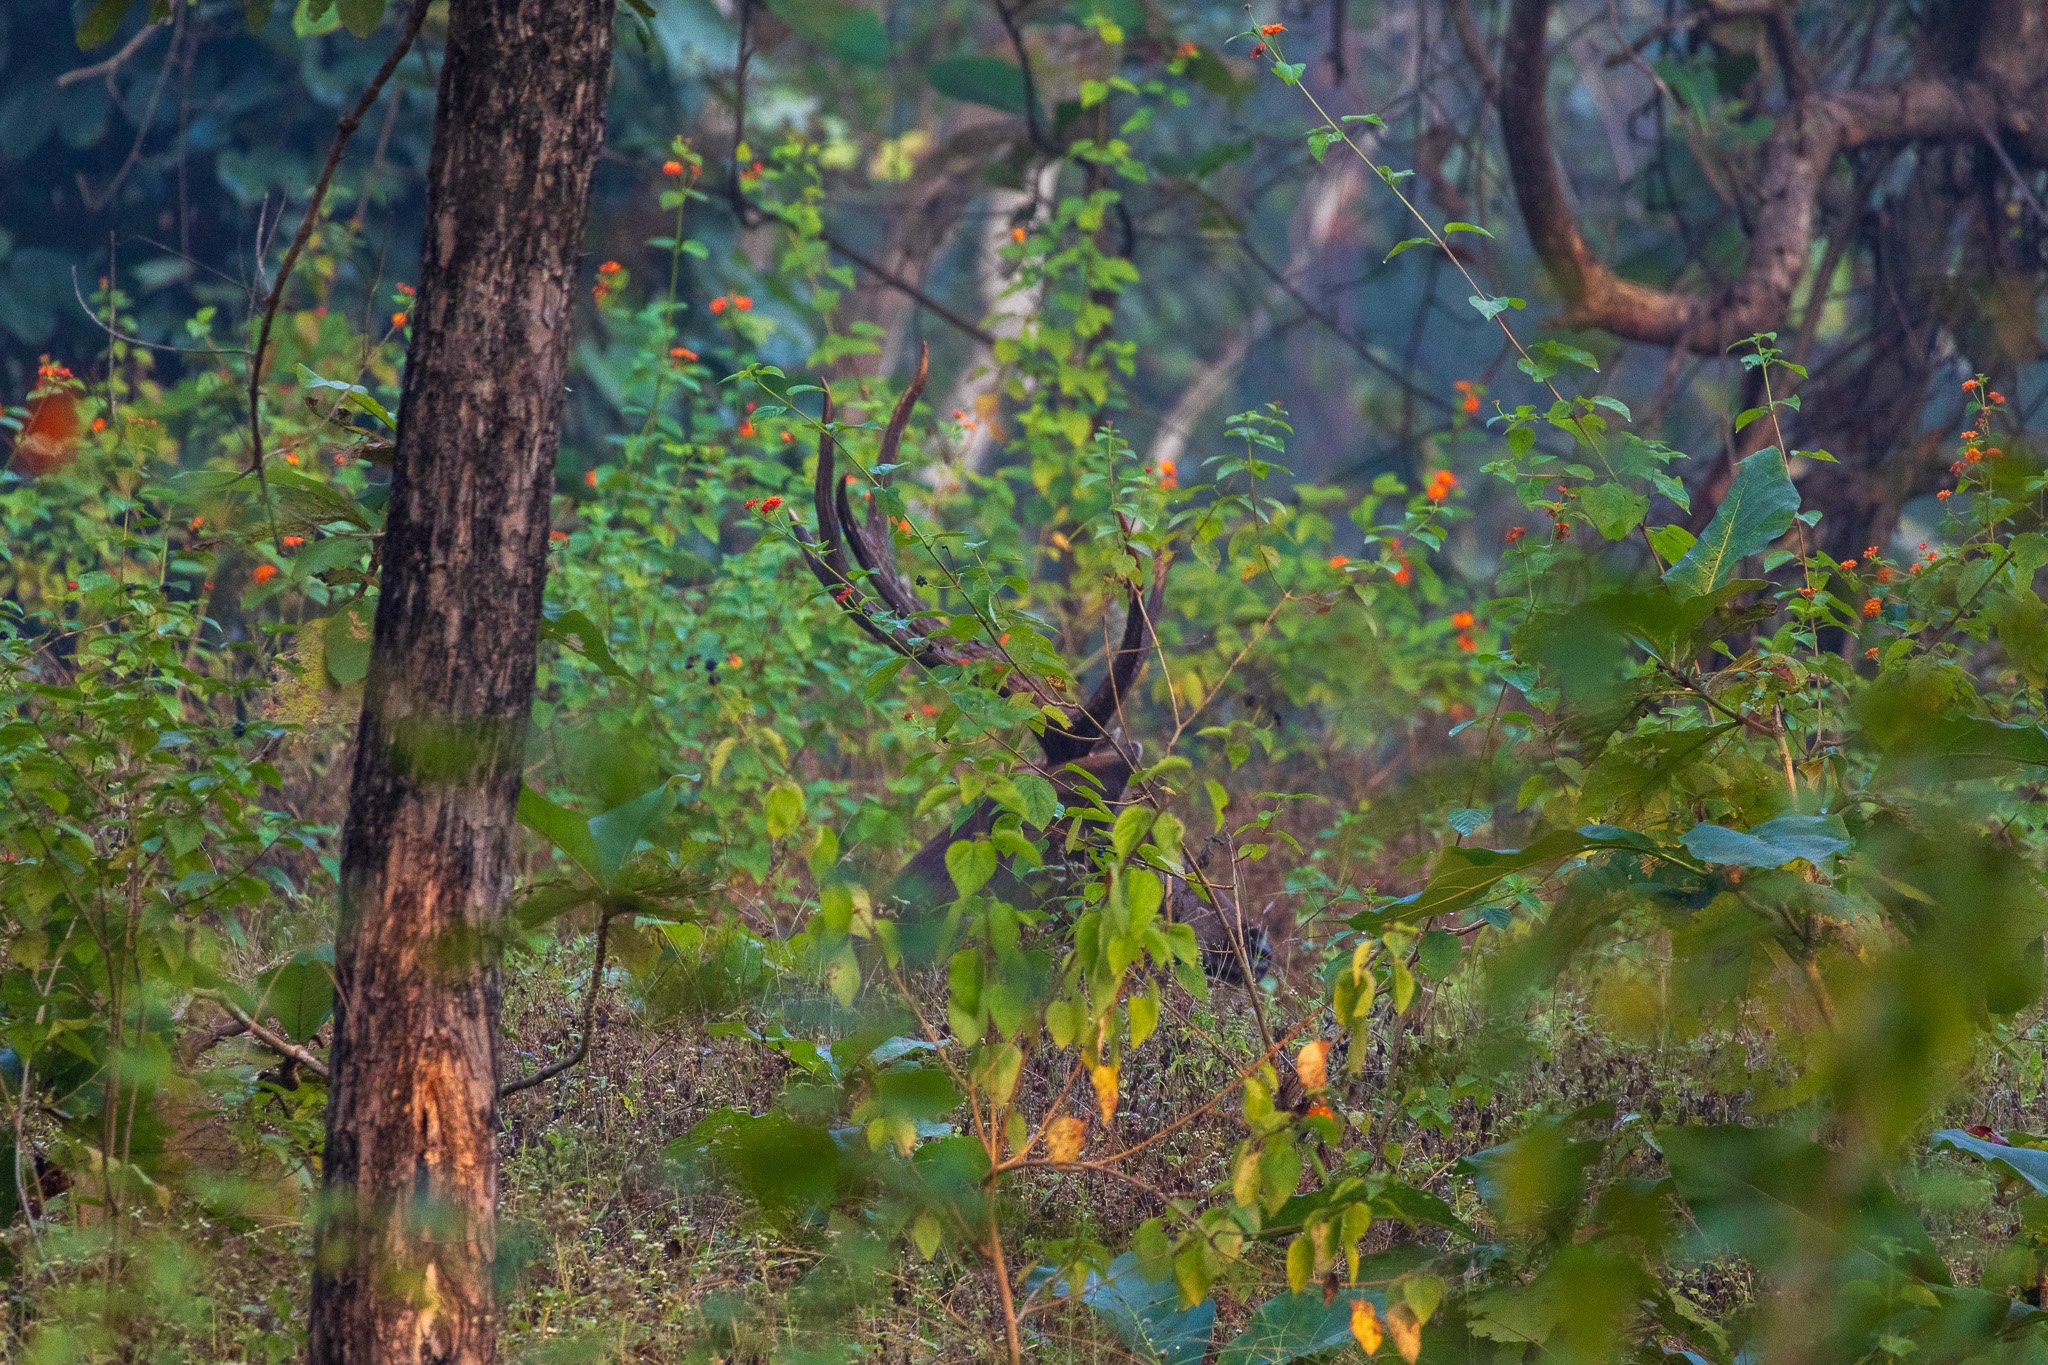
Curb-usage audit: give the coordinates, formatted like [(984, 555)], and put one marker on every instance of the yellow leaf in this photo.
[(1406, 1331), (1104, 1080), (1312, 1065), (1365, 1325), (1063, 1137)]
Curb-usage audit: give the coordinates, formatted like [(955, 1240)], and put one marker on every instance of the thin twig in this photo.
[(343, 131), (113, 63)]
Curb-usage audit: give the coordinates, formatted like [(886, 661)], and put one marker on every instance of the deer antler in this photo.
[(915, 634)]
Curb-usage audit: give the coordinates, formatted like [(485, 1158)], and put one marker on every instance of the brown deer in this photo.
[(1087, 758)]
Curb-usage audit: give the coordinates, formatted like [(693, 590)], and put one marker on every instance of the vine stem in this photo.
[(1479, 291), (343, 132), (1002, 1270)]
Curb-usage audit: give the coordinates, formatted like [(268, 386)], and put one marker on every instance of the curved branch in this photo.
[(1809, 135), (582, 1049)]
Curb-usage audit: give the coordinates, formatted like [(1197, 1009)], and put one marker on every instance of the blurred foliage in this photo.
[(1479, 742)]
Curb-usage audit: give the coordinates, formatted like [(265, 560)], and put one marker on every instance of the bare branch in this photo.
[(1810, 134)]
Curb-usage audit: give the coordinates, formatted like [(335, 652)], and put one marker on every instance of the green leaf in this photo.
[(1756, 511), (561, 827), (1815, 838), (102, 22), (785, 809), (576, 632), (1771, 1194), (361, 17), (989, 81), (1671, 542), (1145, 1313), (1144, 1016), (1613, 509), (1130, 827), (345, 642), (616, 833), (1493, 308), (300, 993), (970, 863), (1463, 876), (2025, 1163), (845, 30), (1293, 1326)]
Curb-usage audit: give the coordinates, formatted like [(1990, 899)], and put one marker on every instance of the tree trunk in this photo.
[(405, 1245)]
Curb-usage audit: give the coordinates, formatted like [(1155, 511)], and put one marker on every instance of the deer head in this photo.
[(1085, 752)]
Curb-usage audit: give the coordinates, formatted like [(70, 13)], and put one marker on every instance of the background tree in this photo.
[(406, 1250), (1875, 200)]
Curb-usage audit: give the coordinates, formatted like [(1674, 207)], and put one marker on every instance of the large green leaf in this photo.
[(361, 17), (1774, 1195), (2027, 1163), (980, 80), (560, 826), (102, 22), (616, 833), (1774, 843), (1615, 510), (1293, 1326), (1463, 876), (845, 30), (299, 994), (1756, 511)]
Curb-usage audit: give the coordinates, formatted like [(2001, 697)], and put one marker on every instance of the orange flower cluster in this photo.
[(1440, 485), (1468, 397), (1402, 573), (1515, 533), (294, 542), (725, 301), (1169, 474), (1976, 447), (672, 167), (1462, 622), (263, 573), (1268, 30), (1186, 51), (751, 173), (398, 321), (1340, 561)]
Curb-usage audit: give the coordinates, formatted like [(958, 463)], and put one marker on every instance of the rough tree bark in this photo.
[(405, 1247)]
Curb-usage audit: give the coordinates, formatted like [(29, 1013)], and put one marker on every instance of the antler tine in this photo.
[(872, 545), (827, 555), (1088, 724), (831, 539)]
